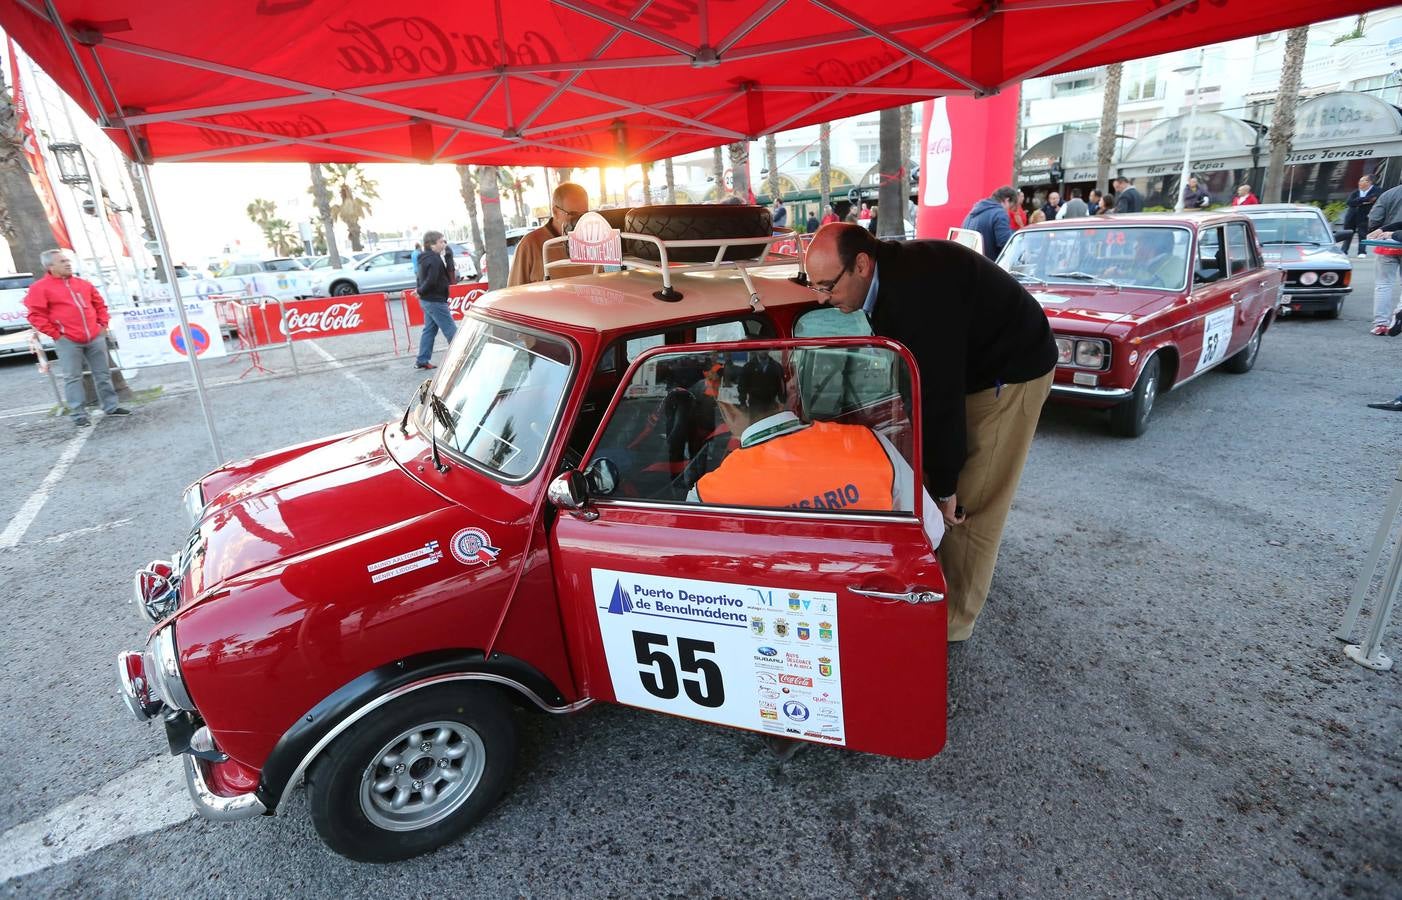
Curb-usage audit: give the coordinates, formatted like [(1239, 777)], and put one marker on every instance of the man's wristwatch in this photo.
[(945, 499)]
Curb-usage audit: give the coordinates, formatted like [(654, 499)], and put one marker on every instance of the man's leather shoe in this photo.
[(1393, 405), (81, 421), (1396, 328), (419, 365)]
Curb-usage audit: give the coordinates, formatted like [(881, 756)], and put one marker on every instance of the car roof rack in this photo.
[(664, 267)]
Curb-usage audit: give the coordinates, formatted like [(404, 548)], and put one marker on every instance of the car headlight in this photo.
[(1329, 279), (193, 501), (1309, 278), (1063, 351), (163, 668), (1091, 354)]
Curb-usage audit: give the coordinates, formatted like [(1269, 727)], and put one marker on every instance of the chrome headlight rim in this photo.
[(1065, 351), (1329, 279), (1069, 350), (1308, 278), (1101, 351), (163, 669)]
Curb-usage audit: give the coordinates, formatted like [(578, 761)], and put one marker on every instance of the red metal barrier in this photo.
[(306, 320), (459, 296)]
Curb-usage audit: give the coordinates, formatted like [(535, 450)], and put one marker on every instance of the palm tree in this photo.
[(889, 216), (1109, 117), (740, 170), (493, 228), (468, 189), (23, 221), (516, 183), (647, 184), (261, 212), (283, 239), (718, 172), (351, 192), (825, 164), (771, 165), (671, 183), (907, 123), (326, 223), (1282, 130)]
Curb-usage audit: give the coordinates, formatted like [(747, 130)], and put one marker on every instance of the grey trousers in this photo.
[(71, 355)]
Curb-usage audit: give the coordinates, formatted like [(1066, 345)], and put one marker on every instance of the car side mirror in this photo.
[(570, 490), (601, 477)]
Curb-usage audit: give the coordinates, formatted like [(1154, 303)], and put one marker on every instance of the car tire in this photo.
[(366, 791), (1131, 418), (697, 221), (1242, 361), (344, 289)]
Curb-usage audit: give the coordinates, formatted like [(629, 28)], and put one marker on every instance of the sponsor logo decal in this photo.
[(798, 680), (769, 693), (793, 601), (404, 563), (825, 667), (795, 711), (768, 714), (756, 626), (781, 628), (336, 317), (804, 632), (825, 631), (768, 651), (473, 546)]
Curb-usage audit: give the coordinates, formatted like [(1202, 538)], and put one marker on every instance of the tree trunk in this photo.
[(1109, 126), (322, 197), (888, 198), (1282, 130), (718, 172), (134, 171), (907, 123), (771, 162), (603, 186), (23, 221), (493, 229), (825, 165), (647, 184), (468, 189), (740, 170), (671, 184), (562, 174)]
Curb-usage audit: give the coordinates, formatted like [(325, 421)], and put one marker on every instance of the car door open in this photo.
[(745, 545)]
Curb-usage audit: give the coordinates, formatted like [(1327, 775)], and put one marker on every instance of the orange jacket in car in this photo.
[(823, 466), (66, 308)]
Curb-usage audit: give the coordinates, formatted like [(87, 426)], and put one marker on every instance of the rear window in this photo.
[(12, 282)]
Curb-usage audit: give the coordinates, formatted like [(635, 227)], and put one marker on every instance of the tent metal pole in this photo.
[(169, 267), (1370, 566)]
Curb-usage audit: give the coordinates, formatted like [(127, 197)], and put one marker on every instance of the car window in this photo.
[(711, 333), (1238, 248), (1211, 262), (1128, 256), (1292, 228), (284, 265), (11, 282), (379, 261), (829, 321), (822, 429), (503, 388), (247, 269), (403, 257)]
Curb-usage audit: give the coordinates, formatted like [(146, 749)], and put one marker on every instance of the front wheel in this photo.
[(1131, 418), (1240, 363), (414, 775), (343, 289)]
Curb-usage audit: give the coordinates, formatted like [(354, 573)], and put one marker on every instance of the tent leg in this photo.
[(169, 269)]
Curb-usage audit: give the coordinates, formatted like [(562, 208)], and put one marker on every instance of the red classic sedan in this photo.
[(1141, 304)]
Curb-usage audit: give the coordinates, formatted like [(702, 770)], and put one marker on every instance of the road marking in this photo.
[(337, 364), (148, 798), (78, 532), (14, 532)]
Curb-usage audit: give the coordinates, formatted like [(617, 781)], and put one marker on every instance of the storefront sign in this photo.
[(1218, 143), (1345, 126)]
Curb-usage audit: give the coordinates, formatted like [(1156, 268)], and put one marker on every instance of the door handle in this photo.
[(1235, 296), (911, 597)]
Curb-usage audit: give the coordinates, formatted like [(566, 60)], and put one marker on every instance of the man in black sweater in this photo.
[(985, 356), (434, 273)]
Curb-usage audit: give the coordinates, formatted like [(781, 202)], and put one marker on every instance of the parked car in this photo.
[(1297, 240), (364, 609), (513, 237), (1141, 304), (254, 266), (385, 270), (14, 318), (347, 259)]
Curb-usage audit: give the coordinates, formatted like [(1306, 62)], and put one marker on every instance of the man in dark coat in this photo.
[(985, 356), (1360, 203), (1127, 198), (989, 217), (435, 271)]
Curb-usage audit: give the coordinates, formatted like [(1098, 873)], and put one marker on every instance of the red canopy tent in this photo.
[(563, 82)]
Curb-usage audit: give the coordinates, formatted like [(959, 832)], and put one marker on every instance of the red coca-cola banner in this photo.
[(305, 320), (38, 171), (968, 155), (459, 296)]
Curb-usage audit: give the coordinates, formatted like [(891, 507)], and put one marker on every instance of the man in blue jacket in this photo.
[(990, 218)]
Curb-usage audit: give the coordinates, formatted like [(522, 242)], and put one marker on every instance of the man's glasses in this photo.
[(826, 289), (573, 215)]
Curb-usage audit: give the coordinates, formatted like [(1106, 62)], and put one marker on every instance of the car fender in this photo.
[(302, 744)]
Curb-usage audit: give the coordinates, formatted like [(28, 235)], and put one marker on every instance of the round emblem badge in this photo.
[(472, 546)]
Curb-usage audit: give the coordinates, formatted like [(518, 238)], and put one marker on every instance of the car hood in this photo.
[(1090, 309), (301, 500), (1304, 255)]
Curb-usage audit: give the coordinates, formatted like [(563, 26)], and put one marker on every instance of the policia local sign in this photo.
[(760, 658), (152, 336)]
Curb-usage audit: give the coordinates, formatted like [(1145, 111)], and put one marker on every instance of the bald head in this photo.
[(567, 204), (841, 261)]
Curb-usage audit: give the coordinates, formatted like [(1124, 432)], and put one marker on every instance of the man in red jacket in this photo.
[(71, 311)]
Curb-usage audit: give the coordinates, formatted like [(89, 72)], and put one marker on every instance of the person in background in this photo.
[(1107, 204), (1093, 202), (1037, 216), (779, 213), (434, 271), (1360, 204), (1017, 215), (1074, 208), (1052, 206), (568, 202), (830, 216), (1244, 196), (72, 312), (991, 218), (414, 257), (1385, 222), (1194, 196), (812, 225), (1127, 198), (865, 213)]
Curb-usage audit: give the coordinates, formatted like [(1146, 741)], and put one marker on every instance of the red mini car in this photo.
[(1141, 304), (363, 611)]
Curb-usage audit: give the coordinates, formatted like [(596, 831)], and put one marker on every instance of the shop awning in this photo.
[(1345, 126), (566, 82), (1074, 151), (1219, 143)]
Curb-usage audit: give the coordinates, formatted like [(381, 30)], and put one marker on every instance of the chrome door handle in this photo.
[(907, 597), (1235, 295)]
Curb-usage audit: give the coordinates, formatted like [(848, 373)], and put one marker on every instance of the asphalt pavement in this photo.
[(1153, 703)]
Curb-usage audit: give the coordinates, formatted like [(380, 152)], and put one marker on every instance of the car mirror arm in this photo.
[(569, 490)]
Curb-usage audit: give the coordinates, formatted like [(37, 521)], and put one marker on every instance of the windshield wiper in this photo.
[(1082, 276), (1028, 276), (440, 412), (417, 398)]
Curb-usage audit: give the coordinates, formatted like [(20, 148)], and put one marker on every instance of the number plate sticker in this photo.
[(761, 658)]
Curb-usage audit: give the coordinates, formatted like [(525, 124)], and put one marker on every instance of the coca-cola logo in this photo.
[(415, 45), (459, 304), (843, 71), (336, 317), (301, 126)]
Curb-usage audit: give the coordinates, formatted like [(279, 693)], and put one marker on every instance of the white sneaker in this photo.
[(1362, 256)]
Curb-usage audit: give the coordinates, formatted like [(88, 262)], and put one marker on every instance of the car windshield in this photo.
[(503, 387), (1292, 228), (1123, 256), (285, 265)]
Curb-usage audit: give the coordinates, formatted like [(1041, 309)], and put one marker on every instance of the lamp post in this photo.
[(1192, 111)]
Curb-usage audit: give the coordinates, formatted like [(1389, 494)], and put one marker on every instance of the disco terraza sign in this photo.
[(307, 319)]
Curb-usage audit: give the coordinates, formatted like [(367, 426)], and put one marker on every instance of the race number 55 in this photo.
[(652, 651)]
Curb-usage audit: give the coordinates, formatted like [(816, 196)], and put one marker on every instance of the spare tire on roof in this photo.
[(693, 222)]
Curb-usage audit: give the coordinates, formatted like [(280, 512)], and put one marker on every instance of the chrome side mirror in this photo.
[(602, 477), (570, 491)]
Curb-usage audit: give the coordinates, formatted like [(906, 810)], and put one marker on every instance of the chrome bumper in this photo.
[(211, 805), (1108, 395)]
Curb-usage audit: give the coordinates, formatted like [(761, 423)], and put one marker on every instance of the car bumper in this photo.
[(213, 806), (1099, 396)]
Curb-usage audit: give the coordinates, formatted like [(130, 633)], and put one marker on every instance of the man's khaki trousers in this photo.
[(1000, 425)]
